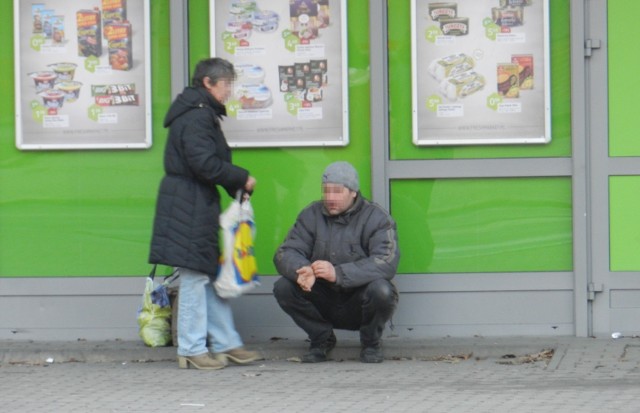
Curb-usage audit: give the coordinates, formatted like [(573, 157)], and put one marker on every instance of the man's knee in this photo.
[(381, 293), (284, 289)]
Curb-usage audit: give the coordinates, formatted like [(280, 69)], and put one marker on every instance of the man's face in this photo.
[(337, 198)]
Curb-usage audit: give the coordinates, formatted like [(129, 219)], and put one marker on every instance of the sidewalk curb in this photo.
[(443, 349)]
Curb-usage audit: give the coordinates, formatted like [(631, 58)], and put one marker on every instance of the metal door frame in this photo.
[(600, 168), (383, 169)]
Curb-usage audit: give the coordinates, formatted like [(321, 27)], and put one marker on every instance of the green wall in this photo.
[(484, 225), (89, 213), (481, 225)]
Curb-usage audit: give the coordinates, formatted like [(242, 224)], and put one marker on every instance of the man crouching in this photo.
[(337, 263)]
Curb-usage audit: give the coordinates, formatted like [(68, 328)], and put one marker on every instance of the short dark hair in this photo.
[(215, 69)]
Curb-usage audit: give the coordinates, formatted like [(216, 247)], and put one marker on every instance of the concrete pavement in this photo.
[(505, 374)]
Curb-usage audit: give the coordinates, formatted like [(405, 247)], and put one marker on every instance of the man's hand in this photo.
[(324, 270), (306, 278)]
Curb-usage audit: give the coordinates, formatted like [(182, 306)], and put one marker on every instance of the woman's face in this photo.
[(221, 90)]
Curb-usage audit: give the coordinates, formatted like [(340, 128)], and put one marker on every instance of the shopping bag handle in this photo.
[(240, 193), (167, 279)]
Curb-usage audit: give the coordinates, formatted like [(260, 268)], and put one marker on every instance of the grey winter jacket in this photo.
[(361, 243), (196, 159)]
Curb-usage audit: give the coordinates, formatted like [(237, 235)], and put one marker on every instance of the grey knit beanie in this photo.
[(342, 173)]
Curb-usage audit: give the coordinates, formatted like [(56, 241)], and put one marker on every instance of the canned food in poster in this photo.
[(507, 3), (525, 64), (508, 16), (442, 9), (508, 80), (457, 26)]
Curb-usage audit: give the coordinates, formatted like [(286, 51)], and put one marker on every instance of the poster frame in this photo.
[(468, 138), (334, 141), (145, 59)]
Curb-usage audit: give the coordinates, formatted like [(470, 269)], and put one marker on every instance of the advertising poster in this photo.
[(82, 74), (291, 60), (480, 72)]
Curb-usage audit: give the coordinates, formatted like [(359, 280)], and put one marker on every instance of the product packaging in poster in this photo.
[(82, 74)]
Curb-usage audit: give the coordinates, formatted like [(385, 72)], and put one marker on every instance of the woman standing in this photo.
[(197, 160)]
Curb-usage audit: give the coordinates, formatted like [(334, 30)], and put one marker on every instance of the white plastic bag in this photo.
[(237, 270)]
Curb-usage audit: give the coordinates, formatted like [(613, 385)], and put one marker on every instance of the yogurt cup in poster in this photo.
[(71, 90), (44, 80), (52, 98), (64, 70)]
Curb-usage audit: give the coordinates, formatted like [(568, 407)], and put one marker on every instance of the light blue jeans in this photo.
[(203, 317)]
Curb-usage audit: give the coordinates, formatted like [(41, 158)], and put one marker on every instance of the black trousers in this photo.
[(324, 308)]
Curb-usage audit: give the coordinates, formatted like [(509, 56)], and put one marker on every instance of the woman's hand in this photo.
[(250, 184)]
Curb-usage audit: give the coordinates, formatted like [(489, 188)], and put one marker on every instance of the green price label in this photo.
[(37, 112), (233, 106), (432, 102), (286, 33), (230, 45), (493, 101), (36, 42), (491, 31), (90, 63), (94, 112), (293, 104), (290, 42), (432, 33)]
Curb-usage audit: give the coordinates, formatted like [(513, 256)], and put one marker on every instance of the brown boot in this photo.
[(200, 362), (239, 356)]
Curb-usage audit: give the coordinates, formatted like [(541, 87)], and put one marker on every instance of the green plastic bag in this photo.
[(154, 317)]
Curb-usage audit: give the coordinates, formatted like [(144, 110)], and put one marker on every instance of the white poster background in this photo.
[(113, 107), (443, 116), (257, 37)]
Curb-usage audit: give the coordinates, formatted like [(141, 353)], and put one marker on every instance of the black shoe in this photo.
[(318, 354), (371, 355)]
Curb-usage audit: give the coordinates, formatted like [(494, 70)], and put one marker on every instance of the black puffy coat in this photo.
[(361, 243), (197, 158)]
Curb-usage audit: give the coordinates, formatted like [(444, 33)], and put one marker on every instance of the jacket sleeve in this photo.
[(382, 254), (295, 252), (203, 158)]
